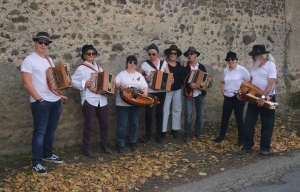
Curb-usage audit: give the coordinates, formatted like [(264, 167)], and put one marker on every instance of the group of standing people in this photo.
[(46, 105)]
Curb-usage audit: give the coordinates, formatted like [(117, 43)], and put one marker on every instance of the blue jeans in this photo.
[(123, 113), (199, 105), (45, 116), (267, 125)]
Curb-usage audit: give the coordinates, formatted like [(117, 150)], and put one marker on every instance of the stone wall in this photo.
[(122, 27)]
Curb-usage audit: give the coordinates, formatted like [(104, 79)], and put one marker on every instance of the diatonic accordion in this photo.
[(159, 80), (59, 77), (200, 78), (103, 83)]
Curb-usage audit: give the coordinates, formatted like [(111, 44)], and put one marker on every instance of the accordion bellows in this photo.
[(160, 80), (103, 83), (133, 96), (200, 78), (59, 77)]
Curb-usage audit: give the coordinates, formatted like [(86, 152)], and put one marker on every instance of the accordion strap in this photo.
[(49, 83), (88, 66)]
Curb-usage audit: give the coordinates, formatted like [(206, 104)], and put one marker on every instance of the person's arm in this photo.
[(147, 77), (78, 80), (26, 77), (271, 82), (222, 87)]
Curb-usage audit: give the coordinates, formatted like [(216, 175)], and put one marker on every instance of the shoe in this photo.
[(133, 146), (146, 139), (240, 143), (164, 135), (88, 153), (39, 169), (197, 136), (106, 150), (54, 159), (217, 140), (120, 149), (186, 137), (243, 151), (158, 139), (264, 152), (175, 134)]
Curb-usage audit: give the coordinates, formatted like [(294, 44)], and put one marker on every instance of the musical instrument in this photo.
[(103, 83), (250, 93), (58, 77), (159, 80), (200, 78), (134, 96)]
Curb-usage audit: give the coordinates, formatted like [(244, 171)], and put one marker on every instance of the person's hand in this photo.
[(222, 91), (260, 102), (193, 85), (239, 96), (148, 78), (67, 64), (209, 79), (184, 64), (89, 83), (124, 87), (118, 85), (145, 93), (171, 81)]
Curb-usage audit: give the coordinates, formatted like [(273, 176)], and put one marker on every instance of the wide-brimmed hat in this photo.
[(173, 47), (258, 50), (42, 35), (231, 55), (191, 49), (85, 48)]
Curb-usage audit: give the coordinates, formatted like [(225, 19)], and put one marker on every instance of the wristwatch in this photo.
[(40, 100)]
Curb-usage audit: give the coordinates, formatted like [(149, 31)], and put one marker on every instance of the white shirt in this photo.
[(233, 79), (131, 80), (79, 78), (37, 66), (196, 92), (261, 75), (147, 69)]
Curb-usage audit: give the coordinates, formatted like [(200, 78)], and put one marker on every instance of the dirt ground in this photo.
[(153, 167)]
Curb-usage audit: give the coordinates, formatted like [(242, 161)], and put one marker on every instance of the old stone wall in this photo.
[(122, 27)]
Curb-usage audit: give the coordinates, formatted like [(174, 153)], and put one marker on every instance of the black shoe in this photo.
[(264, 152), (54, 158), (146, 139), (175, 134), (133, 146), (217, 140), (39, 169), (240, 143), (120, 149), (186, 137), (243, 151), (158, 140), (164, 135), (197, 136)]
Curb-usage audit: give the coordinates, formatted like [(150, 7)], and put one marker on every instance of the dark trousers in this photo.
[(232, 104), (89, 111), (267, 121), (159, 115)]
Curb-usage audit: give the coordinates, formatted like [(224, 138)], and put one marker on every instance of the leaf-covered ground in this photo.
[(153, 167)]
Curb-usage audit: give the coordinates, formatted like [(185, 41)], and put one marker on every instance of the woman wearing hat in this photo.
[(233, 76), (128, 78), (91, 102), (174, 96), (154, 63)]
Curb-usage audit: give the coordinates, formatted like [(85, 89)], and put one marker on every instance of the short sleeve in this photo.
[(246, 74), (223, 76), (26, 65), (164, 65), (118, 78), (144, 66), (272, 70)]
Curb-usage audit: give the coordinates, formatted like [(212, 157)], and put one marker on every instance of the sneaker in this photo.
[(54, 159), (186, 137), (243, 151), (175, 133), (217, 140), (39, 169)]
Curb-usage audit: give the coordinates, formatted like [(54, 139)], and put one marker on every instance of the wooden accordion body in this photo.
[(134, 96), (200, 78), (160, 80), (59, 77), (250, 93), (103, 83)]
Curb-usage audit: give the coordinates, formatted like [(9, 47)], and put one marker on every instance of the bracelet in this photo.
[(40, 100)]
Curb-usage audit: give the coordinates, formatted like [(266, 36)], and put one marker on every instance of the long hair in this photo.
[(269, 57)]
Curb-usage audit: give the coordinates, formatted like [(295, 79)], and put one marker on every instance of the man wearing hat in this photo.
[(263, 75), (92, 103), (192, 94), (45, 104)]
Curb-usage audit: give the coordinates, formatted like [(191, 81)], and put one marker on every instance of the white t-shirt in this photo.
[(37, 66), (261, 75), (79, 78), (131, 80), (196, 92), (233, 79), (147, 69)]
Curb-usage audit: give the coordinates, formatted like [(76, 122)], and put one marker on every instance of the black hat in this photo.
[(191, 49), (173, 47), (153, 46), (258, 50), (85, 48), (42, 35), (131, 58), (231, 55)]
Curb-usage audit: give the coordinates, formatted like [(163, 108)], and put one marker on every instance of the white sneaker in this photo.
[(39, 169)]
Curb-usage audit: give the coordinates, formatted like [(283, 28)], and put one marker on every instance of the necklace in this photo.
[(131, 75)]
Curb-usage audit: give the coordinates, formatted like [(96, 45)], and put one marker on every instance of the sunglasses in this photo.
[(46, 43), (153, 54), (173, 53), (132, 62), (190, 54), (230, 59), (90, 53)]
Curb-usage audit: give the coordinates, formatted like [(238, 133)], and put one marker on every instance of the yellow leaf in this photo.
[(222, 169), (202, 174)]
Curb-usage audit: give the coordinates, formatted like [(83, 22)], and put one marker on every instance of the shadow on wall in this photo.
[(294, 100)]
